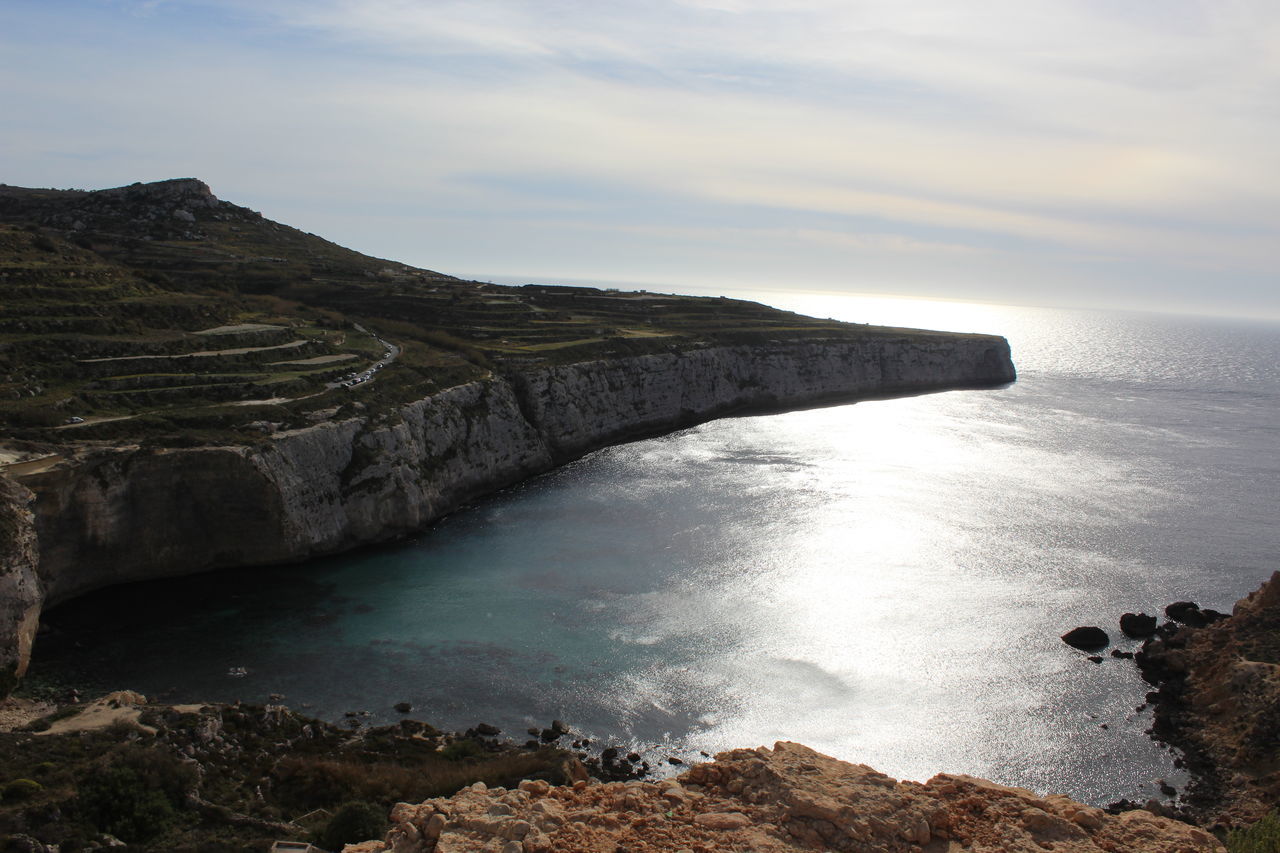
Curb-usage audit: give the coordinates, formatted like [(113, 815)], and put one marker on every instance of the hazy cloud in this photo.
[(1131, 144)]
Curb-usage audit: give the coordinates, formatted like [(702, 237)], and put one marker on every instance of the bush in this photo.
[(461, 749), (353, 822), (20, 789), (135, 795), (118, 802), (1262, 837)]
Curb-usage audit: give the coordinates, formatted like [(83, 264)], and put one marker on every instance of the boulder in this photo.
[(1087, 638), (1137, 625), (1188, 613)]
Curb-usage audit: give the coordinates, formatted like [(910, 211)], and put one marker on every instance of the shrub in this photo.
[(461, 749), (1262, 837), (136, 793), (20, 789), (353, 822), (118, 802)]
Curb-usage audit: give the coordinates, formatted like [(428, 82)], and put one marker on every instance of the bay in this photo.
[(884, 581)]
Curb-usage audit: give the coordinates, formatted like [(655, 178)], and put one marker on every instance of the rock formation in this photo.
[(1219, 701), (20, 592), (789, 798)]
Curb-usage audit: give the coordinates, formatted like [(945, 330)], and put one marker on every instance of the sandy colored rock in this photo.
[(120, 706), (789, 798)]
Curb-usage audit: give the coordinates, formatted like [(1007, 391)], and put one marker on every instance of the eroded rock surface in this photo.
[(785, 799), (20, 592)]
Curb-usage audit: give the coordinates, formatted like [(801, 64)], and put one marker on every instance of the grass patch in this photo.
[(1262, 837)]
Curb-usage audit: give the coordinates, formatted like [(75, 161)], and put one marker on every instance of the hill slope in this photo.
[(185, 385)]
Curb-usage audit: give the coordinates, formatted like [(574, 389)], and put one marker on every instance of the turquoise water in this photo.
[(884, 581)]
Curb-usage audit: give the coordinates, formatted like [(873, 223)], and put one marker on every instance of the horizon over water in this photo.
[(884, 581)]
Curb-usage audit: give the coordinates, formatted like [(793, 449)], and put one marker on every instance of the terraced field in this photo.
[(159, 313)]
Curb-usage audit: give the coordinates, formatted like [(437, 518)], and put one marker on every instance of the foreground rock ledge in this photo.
[(787, 798)]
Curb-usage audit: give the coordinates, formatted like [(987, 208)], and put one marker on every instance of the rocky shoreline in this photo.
[(243, 775), (1217, 700)]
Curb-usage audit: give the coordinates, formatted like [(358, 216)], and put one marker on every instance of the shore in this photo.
[(242, 776)]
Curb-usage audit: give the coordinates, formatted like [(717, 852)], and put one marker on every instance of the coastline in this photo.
[(110, 515), (780, 799)]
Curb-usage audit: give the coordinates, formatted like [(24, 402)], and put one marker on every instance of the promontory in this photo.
[(187, 385)]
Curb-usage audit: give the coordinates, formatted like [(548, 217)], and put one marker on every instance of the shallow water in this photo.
[(885, 581)]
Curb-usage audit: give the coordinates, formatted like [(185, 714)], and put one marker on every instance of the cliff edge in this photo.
[(788, 798)]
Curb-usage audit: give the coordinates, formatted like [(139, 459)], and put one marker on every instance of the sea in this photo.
[(884, 581)]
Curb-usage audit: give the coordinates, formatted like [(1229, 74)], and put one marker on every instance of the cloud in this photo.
[(1123, 134)]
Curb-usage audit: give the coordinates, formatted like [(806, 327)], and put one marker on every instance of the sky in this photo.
[(1095, 153)]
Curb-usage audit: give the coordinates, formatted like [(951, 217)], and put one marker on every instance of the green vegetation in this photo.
[(1262, 837), (238, 777), (135, 793), (20, 789), (352, 823), (148, 310)]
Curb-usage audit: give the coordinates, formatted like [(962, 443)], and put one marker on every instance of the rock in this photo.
[(559, 727), (787, 799), (672, 760), (722, 820), (403, 707), (21, 589), (536, 787), (633, 757), (488, 730), (1186, 612), (1137, 625), (1095, 658), (1086, 638)]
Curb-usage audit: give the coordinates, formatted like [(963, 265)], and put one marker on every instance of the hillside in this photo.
[(159, 312)]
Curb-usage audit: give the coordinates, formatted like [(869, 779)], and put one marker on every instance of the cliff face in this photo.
[(111, 516), (20, 593)]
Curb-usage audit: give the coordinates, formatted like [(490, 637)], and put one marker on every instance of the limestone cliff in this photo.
[(108, 516), (20, 593), (789, 798)]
